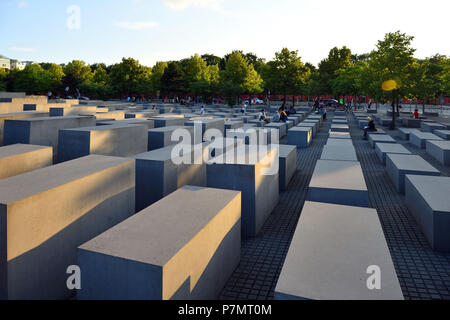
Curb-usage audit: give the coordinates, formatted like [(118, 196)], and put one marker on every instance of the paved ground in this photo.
[(423, 273)]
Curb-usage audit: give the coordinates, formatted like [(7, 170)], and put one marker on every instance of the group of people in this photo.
[(320, 108), (281, 115)]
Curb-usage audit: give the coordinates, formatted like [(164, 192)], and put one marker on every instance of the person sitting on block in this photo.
[(370, 127)]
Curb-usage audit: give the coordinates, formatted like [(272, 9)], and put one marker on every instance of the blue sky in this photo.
[(157, 30)]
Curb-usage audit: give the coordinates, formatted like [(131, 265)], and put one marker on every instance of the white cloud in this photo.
[(183, 4), (22, 4), (22, 49), (136, 25)]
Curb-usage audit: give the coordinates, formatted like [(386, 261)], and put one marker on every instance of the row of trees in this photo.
[(342, 73)]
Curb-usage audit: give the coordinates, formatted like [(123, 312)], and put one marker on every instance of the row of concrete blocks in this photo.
[(89, 203), (437, 145), (426, 192), (303, 134), (338, 238), (81, 213)]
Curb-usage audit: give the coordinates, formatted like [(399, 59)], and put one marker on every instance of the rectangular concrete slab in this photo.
[(338, 182), (162, 171), (380, 138), (440, 150), (444, 134), (339, 135), (20, 158), (404, 133), (112, 140), (331, 252), (184, 247), (419, 139), (313, 126), (428, 200), (340, 128), (18, 115), (43, 131), (399, 165), (288, 164), (47, 213), (385, 148), (162, 137), (256, 174), (339, 142), (340, 153), (281, 127), (300, 136), (430, 127)]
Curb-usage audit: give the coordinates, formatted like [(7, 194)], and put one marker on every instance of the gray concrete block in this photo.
[(339, 135), (399, 165), (253, 135), (112, 140), (430, 127), (233, 125), (246, 170), (141, 114), (43, 131), (288, 164), (313, 126), (385, 148), (300, 136), (161, 172), (444, 134), (411, 123), (185, 247), (330, 254), (162, 137), (379, 138), (339, 121), (168, 122), (339, 142), (419, 139), (208, 124), (47, 213), (403, 133), (339, 153), (440, 150), (148, 124), (338, 182), (340, 128), (18, 115), (20, 158), (281, 127), (427, 200)]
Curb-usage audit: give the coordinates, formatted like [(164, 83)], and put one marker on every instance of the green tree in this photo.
[(130, 77), (428, 79), (240, 77), (337, 59), (157, 73), (75, 73), (392, 62), (173, 81), (3, 79), (286, 73), (33, 80), (211, 59)]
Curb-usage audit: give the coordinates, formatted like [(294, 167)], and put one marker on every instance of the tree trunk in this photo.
[(392, 126)]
